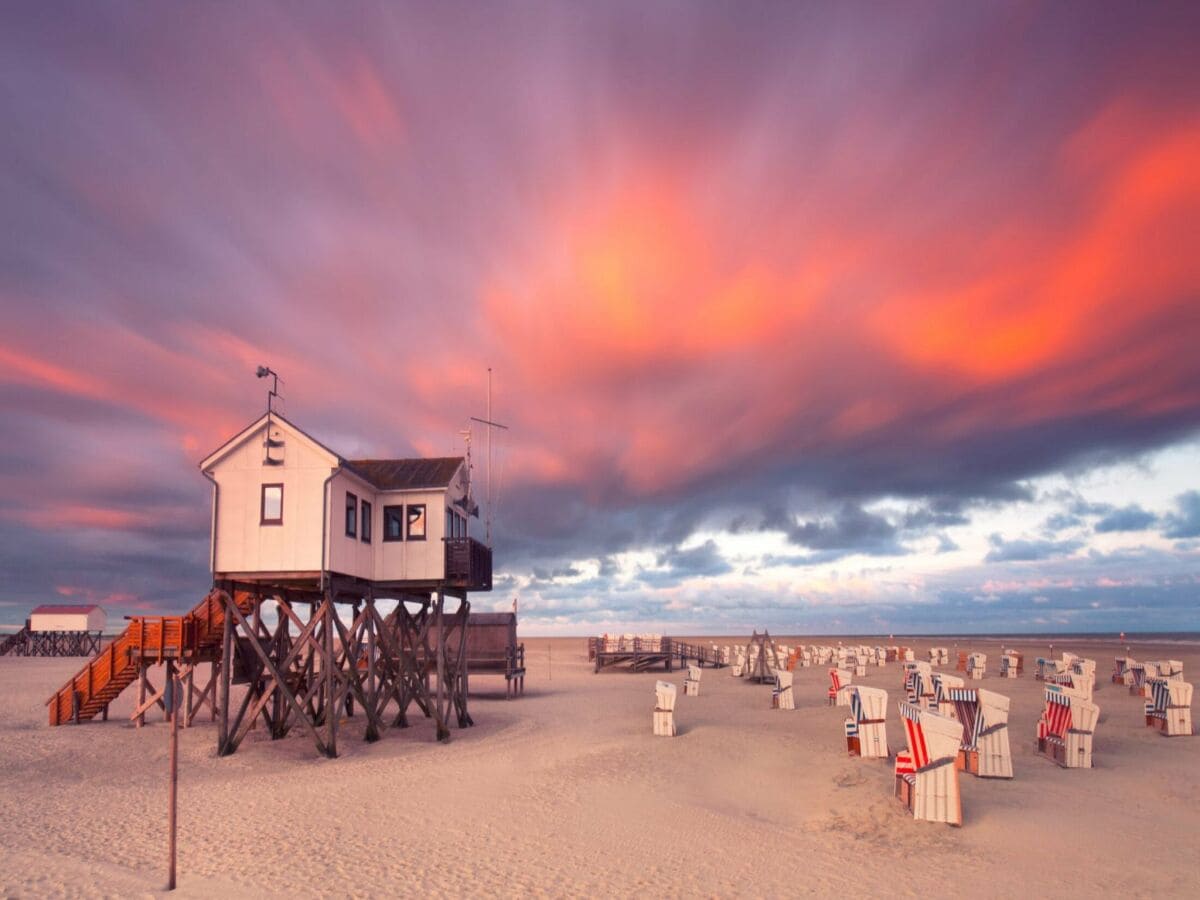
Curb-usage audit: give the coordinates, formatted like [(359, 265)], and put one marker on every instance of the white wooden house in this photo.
[(286, 508), (68, 617)]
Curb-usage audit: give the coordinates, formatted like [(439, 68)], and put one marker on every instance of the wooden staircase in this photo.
[(195, 637), (12, 643)]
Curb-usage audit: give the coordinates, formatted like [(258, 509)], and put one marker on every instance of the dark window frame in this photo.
[(351, 515), (364, 521), (262, 504), (409, 507), (398, 510)]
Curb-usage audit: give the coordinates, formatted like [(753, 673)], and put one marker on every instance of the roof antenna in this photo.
[(490, 425), (263, 372)]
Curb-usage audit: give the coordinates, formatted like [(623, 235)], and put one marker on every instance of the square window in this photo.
[(271, 512), (365, 529), (393, 523), (416, 521), (351, 515)]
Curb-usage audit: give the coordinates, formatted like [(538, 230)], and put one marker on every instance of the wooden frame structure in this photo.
[(758, 668), (51, 643), (305, 672)]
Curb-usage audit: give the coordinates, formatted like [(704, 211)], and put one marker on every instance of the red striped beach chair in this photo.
[(839, 682), (926, 777), (1169, 708), (985, 749), (866, 729), (1066, 727)]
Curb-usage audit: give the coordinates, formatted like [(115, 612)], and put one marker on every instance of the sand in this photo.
[(565, 792)]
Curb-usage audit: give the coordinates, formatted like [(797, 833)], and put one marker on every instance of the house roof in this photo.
[(382, 474), (258, 423), (65, 609), (406, 474)]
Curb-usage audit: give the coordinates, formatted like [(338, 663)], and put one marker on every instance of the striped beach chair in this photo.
[(1169, 708), (1121, 673), (781, 695), (942, 682), (983, 715), (976, 665), (664, 709), (1137, 678), (866, 729), (926, 776), (839, 681), (1066, 727)]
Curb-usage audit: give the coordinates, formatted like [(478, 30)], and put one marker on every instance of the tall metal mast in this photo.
[(490, 425)]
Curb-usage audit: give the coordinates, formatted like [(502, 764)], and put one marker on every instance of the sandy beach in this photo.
[(565, 792)]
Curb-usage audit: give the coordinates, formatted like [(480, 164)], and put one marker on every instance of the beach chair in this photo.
[(985, 749), (976, 665), (934, 656), (866, 729), (1085, 670), (781, 695), (1008, 666), (691, 684), (857, 664), (1066, 728), (942, 682), (893, 654), (907, 654), (664, 709), (1169, 708), (926, 777), (881, 656), (919, 686), (1121, 673), (839, 681), (1137, 678), (962, 661)]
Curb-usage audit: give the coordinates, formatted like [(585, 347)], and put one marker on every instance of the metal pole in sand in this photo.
[(173, 709)]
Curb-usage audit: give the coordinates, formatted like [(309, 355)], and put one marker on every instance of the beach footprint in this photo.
[(850, 778)]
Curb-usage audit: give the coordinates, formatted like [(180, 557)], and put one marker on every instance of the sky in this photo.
[(816, 317)]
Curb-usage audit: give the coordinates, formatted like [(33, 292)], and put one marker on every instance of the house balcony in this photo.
[(468, 564)]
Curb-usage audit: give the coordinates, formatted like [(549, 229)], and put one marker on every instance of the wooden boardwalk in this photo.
[(638, 655)]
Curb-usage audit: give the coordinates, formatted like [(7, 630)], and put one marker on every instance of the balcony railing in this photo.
[(468, 564)]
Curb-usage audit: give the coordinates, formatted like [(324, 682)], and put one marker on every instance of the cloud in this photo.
[(1185, 522), (686, 326), (1028, 550), (1127, 518)]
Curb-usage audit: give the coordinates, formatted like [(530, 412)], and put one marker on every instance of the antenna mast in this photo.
[(490, 425), (263, 372)]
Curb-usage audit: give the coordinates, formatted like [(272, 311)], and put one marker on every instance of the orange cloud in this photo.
[(1036, 306)]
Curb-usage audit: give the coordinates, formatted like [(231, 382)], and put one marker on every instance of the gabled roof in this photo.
[(382, 474), (64, 609), (258, 423), (406, 474)]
